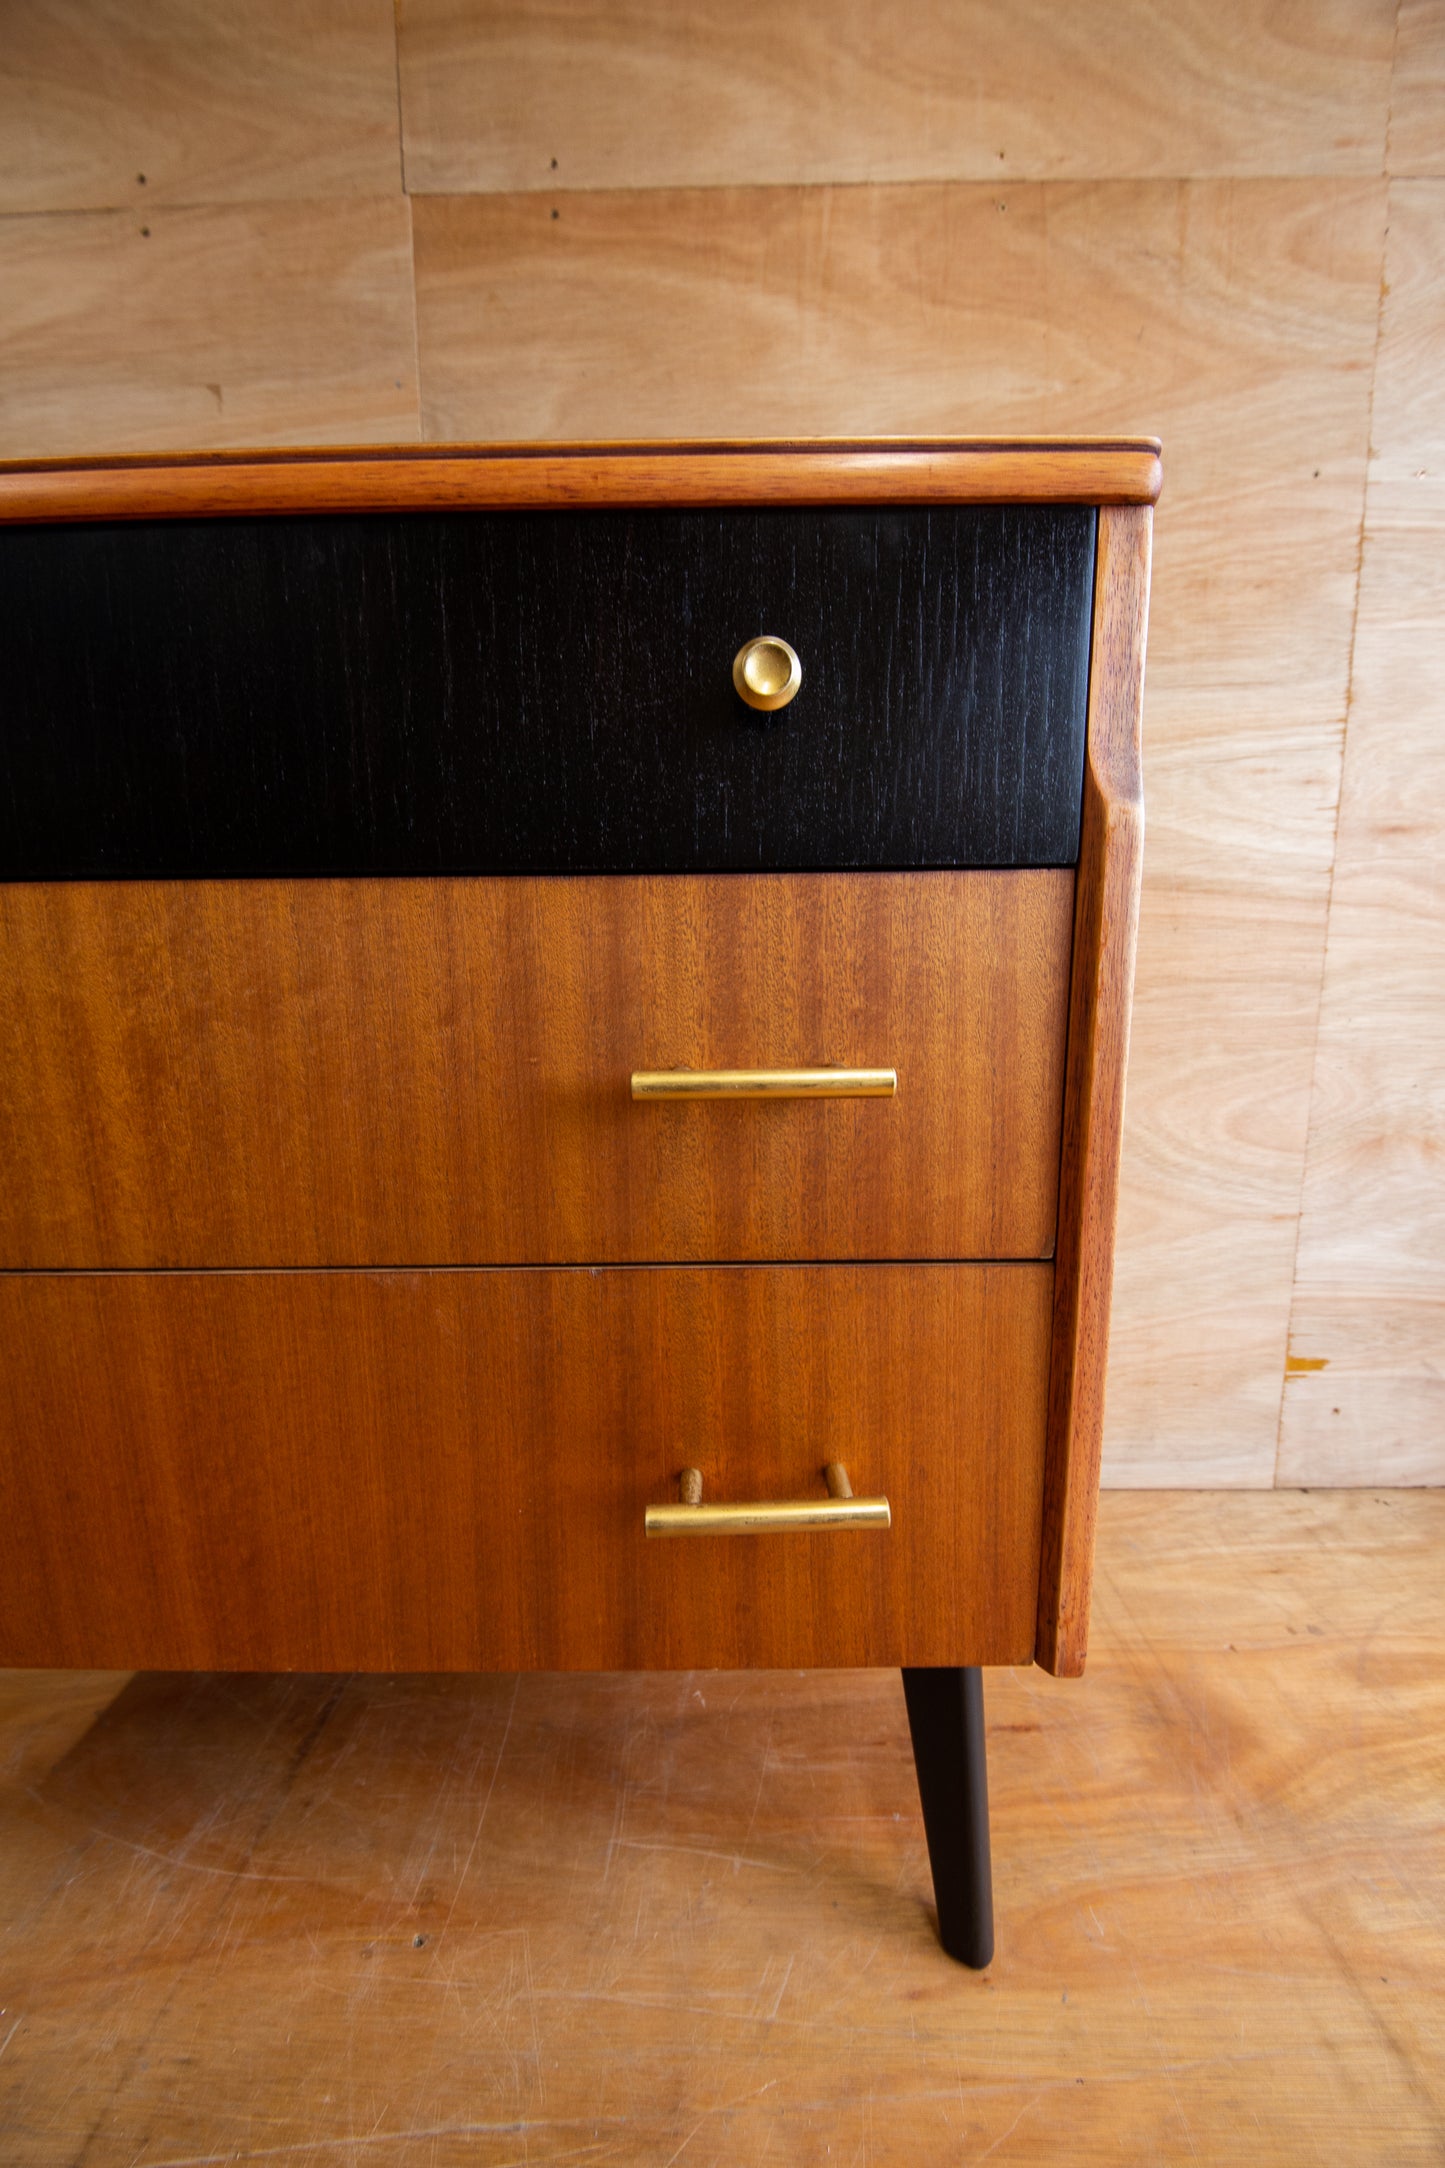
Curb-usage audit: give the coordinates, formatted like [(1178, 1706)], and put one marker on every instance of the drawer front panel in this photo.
[(543, 692), (364, 1073), (450, 1469)]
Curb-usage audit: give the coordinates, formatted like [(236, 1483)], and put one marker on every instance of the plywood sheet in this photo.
[(255, 324), (1366, 1400), (112, 104), (1238, 320), (442, 1921), (547, 95), (1417, 91)]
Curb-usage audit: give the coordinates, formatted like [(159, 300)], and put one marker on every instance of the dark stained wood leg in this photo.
[(945, 1716)]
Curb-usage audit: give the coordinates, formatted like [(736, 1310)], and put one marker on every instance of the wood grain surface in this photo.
[(290, 323), (1237, 314), (545, 691), (549, 97), (106, 105), (443, 1470), (1365, 1393), (947, 308), (874, 470), (1106, 927), (442, 1921), (1239, 320), (432, 1072), (1417, 92)]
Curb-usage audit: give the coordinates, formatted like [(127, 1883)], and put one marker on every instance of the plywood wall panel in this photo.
[(1366, 1400), (1417, 95), (1238, 320), (564, 94), (253, 324), (1206, 261), (106, 104)]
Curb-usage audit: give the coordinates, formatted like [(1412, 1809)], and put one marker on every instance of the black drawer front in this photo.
[(543, 692)]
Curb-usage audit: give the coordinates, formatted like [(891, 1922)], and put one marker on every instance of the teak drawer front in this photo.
[(435, 1072), (543, 692), (450, 1469)]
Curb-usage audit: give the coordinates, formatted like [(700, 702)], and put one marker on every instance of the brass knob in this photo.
[(767, 672)]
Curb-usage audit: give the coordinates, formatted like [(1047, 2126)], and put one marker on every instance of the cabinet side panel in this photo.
[(1106, 921)]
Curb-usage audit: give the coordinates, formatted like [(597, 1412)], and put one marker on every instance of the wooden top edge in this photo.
[(426, 477)]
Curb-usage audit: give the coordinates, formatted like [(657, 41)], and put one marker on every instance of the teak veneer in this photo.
[(395, 1042), (436, 1072), (258, 1459), (507, 477), (1106, 925)]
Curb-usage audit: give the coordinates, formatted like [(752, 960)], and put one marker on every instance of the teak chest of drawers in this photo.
[(495, 1068)]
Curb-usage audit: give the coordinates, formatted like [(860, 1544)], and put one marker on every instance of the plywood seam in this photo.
[(410, 223), (1389, 128), (401, 118), (417, 401), (980, 184), (147, 213), (1324, 950)]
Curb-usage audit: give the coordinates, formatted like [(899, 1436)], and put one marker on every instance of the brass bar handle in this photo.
[(840, 1509), (764, 1083)]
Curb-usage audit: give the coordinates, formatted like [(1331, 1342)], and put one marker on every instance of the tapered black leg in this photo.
[(945, 1716)]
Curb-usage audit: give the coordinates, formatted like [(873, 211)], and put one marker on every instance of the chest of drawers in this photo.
[(481, 1093)]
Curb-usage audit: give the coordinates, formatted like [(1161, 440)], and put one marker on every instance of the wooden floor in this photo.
[(686, 1918)]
